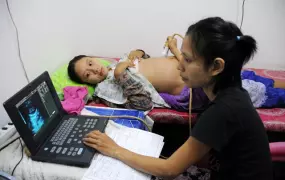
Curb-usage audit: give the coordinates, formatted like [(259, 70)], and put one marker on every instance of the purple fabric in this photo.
[(181, 102)]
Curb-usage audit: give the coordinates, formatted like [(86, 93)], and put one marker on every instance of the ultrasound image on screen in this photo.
[(33, 112)]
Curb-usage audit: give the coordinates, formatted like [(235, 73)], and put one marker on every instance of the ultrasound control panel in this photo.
[(67, 141)]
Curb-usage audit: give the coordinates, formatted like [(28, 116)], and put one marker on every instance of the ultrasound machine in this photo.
[(49, 133)]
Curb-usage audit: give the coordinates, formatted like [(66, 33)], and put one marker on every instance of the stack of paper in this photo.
[(135, 140)]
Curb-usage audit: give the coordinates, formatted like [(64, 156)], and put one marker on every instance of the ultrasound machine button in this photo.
[(80, 151), (52, 149), (64, 150), (58, 150)]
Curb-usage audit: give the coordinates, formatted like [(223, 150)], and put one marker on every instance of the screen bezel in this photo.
[(25, 133)]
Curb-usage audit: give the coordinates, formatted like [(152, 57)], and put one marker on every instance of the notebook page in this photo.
[(135, 140)]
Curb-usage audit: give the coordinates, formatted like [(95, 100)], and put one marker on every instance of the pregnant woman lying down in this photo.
[(160, 83)]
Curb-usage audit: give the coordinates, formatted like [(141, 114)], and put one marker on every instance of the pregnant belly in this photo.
[(163, 74)]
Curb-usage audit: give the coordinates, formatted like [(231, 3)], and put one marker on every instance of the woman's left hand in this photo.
[(102, 143)]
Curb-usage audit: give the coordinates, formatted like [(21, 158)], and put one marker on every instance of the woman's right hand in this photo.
[(172, 43), (102, 142)]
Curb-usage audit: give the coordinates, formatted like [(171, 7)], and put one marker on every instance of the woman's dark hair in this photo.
[(71, 69), (215, 38)]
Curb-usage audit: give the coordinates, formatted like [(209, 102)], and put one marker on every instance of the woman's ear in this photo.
[(218, 66)]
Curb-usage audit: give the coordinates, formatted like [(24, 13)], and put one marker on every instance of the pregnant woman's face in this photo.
[(90, 70)]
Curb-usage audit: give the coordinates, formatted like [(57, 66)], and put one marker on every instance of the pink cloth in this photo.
[(277, 150), (73, 101)]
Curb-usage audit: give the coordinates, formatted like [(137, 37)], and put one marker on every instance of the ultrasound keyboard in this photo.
[(67, 141)]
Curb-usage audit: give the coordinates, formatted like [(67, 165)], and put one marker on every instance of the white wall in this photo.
[(52, 32), (264, 19), (11, 74)]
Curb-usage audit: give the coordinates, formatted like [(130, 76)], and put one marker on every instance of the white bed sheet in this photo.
[(34, 170)]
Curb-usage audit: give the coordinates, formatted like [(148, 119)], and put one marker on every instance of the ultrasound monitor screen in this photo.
[(37, 108)]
